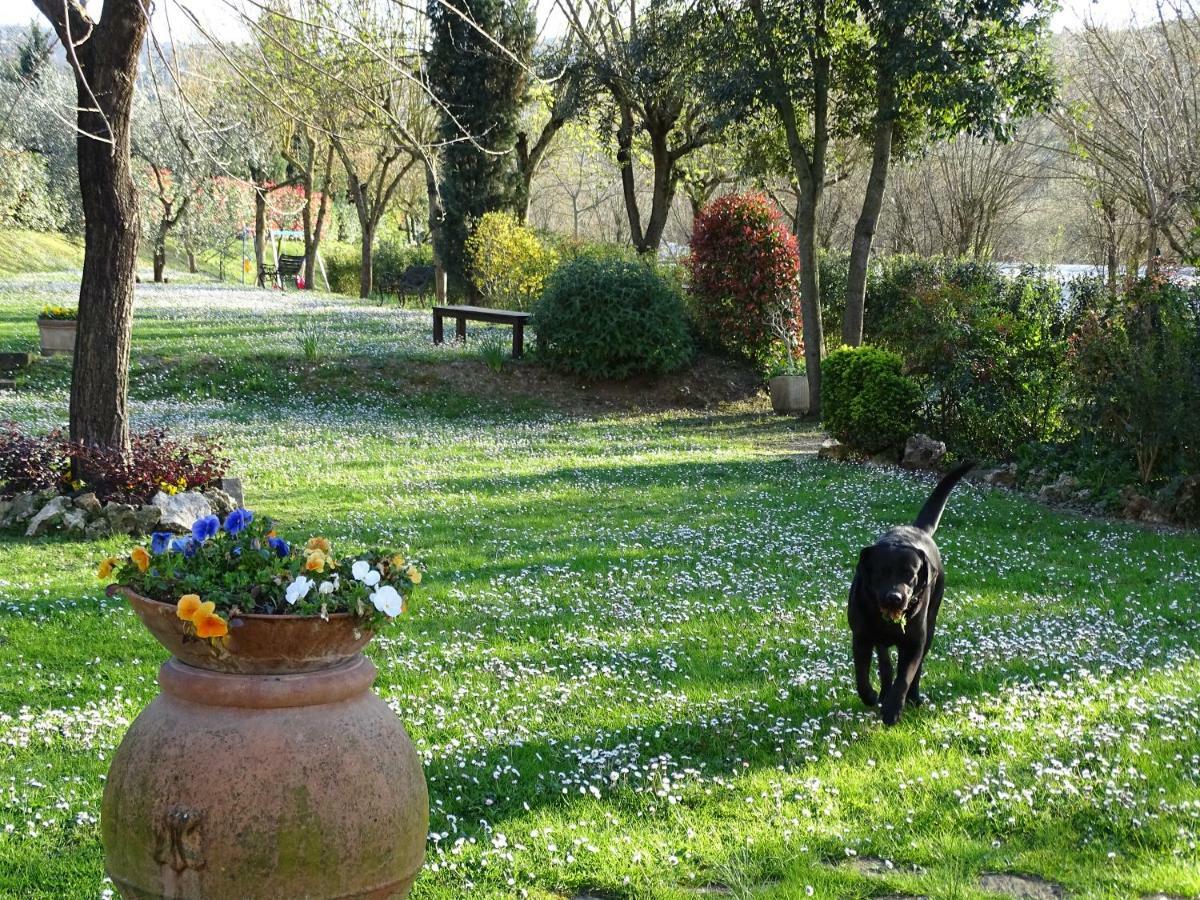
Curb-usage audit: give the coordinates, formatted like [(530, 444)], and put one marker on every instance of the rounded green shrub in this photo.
[(867, 402), (611, 318)]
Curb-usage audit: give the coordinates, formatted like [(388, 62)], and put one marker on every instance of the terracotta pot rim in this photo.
[(126, 591)]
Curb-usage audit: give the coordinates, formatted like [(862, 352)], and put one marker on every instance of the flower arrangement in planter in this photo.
[(56, 328), (241, 570), (266, 671)]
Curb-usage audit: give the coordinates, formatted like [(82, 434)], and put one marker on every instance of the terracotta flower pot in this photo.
[(57, 336), (263, 772)]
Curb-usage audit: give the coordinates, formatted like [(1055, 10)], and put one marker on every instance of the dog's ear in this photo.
[(924, 572), (864, 558)]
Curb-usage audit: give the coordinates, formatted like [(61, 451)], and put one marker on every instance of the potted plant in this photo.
[(56, 326), (266, 766), (788, 379)]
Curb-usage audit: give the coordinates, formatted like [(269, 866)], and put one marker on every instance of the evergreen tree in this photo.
[(479, 71)]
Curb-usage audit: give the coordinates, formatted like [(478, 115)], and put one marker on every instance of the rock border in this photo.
[(82, 515)]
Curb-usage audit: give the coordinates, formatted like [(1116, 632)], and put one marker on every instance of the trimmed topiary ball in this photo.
[(611, 318)]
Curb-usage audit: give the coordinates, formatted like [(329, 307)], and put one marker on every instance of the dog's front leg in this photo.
[(908, 664), (862, 670)]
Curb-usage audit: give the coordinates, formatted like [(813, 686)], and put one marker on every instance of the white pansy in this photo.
[(372, 578), (388, 601), (360, 569), (327, 587), (298, 589)]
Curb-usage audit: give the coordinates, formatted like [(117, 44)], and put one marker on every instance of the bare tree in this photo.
[(958, 199), (1134, 116)]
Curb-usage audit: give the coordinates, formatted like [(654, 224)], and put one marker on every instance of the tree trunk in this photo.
[(160, 262), (810, 296), (191, 258), (260, 231), (664, 194), (864, 229), (366, 266), (628, 184), (310, 255), (435, 232), (105, 77)]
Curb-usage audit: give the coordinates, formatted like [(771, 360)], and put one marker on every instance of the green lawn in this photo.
[(627, 669)]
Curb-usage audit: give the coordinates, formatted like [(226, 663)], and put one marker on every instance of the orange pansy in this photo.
[(141, 558), (210, 625), (318, 543), (187, 606)]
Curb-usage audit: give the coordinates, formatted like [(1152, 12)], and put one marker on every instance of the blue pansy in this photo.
[(279, 545), (184, 545), (160, 542), (205, 527), (238, 520)]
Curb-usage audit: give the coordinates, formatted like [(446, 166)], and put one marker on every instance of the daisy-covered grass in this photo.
[(627, 668)]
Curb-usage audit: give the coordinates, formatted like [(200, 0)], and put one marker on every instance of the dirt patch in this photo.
[(1029, 887), (710, 383)]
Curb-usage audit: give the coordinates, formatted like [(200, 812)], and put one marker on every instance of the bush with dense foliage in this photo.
[(156, 461), (507, 262), (392, 257), (991, 363), (867, 401), (1136, 368), (612, 318), (744, 275)]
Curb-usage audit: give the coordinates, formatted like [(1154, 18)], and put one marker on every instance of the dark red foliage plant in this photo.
[(156, 462), (745, 276)]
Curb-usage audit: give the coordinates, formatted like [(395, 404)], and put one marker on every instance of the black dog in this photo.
[(894, 601)]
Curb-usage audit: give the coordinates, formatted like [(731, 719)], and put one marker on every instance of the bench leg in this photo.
[(437, 328), (518, 339), (460, 329)]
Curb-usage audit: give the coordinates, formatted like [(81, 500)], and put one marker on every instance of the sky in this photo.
[(215, 14)]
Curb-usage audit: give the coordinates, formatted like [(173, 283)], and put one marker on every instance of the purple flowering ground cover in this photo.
[(627, 667)]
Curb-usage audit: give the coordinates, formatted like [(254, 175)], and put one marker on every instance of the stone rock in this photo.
[(50, 516), (97, 528), (88, 503), (922, 452), (1082, 496), (180, 511), (831, 449), (1064, 487), (1003, 476), (233, 487), (147, 518), (1025, 886), (20, 509), (1181, 500), (74, 521), (1133, 504), (222, 503), (120, 517)]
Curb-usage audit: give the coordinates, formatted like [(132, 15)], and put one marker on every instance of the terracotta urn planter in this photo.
[(265, 768), (789, 394), (58, 336)]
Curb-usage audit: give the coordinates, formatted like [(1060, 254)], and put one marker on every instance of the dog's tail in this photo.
[(931, 513)]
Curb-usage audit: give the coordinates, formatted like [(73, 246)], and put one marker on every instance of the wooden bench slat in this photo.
[(461, 314)]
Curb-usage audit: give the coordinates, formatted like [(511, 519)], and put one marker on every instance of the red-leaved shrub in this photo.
[(155, 462), (745, 271)]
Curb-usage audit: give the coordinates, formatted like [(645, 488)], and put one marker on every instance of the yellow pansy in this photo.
[(187, 606), (106, 567), (141, 558), (414, 574), (210, 625), (397, 561)]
